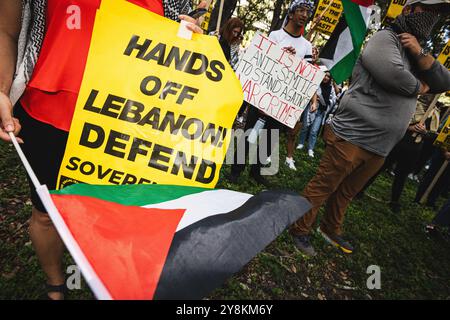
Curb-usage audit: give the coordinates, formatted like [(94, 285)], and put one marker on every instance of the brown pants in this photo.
[(344, 169)]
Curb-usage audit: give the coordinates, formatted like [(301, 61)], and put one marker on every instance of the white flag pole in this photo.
[(80, 259), (25, 162), (219, 19)]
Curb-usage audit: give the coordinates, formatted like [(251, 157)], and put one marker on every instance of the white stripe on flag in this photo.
[(204, 204), (343, 48), (366, 13)]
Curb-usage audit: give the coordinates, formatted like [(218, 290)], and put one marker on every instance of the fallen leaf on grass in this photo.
[(10, 275), (244, 286)]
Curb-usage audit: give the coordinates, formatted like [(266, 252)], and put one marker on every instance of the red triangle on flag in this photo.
[(127, 246)]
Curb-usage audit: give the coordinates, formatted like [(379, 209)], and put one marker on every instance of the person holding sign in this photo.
[(372, 117), (291, 39), (51, 60)]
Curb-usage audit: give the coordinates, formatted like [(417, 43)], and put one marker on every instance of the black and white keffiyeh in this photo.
[(173, 8), (29, 44), (295, 4), (234, 54), (33, 31), (419, 24)]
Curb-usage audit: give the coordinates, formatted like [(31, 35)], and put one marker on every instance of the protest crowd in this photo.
[(377, 114)]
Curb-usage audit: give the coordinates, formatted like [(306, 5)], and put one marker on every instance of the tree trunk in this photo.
[(276, 20), (228, 8)]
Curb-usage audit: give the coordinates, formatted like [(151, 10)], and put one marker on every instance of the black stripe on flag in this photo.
[(205, 254), (329, 48)]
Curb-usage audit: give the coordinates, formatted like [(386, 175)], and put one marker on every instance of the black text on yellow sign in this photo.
[(152, 107), (444, 57), (443, 139), (330, 18)]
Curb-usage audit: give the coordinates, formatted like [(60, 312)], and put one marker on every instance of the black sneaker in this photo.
[(336, 241), (304, 245)]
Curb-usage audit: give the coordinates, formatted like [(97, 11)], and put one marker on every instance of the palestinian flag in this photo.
[(342, 49), (165, 242)]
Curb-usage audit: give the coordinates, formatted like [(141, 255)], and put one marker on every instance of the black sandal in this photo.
[(60, 289)]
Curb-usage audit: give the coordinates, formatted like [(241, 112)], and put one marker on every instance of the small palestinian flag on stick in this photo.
[(165, 242), (341, 51)]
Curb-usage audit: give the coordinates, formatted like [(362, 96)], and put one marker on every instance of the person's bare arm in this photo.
[(10, 18), (314, 106)]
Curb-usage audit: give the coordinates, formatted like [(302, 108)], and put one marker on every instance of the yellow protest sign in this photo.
[(443, 139), (331, 16), (152, 107), (444, 57), (207, 17), (395, 9)]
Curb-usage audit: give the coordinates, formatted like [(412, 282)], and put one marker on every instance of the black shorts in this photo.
[(44, 147)]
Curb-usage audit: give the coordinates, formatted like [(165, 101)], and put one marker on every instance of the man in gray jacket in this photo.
[(373, 116)]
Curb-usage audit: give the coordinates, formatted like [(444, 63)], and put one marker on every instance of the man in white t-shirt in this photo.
[(291, 39)]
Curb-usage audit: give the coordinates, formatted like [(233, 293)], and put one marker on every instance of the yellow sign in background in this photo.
[(207, 17), (443, 139), (153, 107), (444, 57), (395, 9), (331, 16)]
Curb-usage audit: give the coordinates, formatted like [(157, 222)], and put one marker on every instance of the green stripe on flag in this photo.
[(132, 194), (341, 70), (356, 23)]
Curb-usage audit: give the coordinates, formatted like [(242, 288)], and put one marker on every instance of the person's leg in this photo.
[(369, 164), (335, 165), (425, 155), (388, 162), (436, 161), (315, 127), (291, 138), (304, 128), (49, 249), (408, 154), (44, 148), (255, 168), (242, 147)]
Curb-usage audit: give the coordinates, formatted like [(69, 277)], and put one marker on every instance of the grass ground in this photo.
[(412, 265)]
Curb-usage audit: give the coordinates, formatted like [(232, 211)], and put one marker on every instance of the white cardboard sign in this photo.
[(276, 82)]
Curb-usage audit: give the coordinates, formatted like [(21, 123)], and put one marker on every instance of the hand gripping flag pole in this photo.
[(88, 272)]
